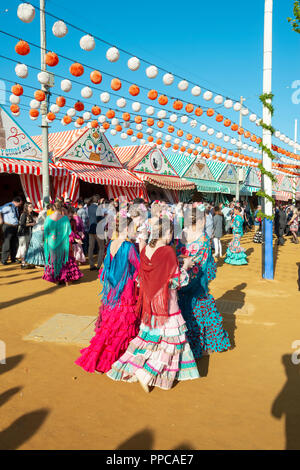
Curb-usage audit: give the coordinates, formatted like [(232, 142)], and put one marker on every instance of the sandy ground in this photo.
[(247, 398)]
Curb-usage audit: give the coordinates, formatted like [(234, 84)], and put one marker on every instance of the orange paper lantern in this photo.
[(51, 116), (159, 142), (80, 121), (178, 105), (115, 84), (96, 77), (189, 108), (61, 101), (139, 135), (96, 110), (150, 122), (134, 90), (51, 59), (171, 129), (17, 90), (105, 125), (197, 140), (219, 118), (94, 124), (79, 106), (138, 119), (150, 138), (129, 131), (210, 112), (67, 119), (152, 94), (234, 127), (189, 136), (22, 48), (14, 108), (163, 100), (126, 116), (227, 122), (110, 114), (34, 112), (160, 124), (76, 69), (118, 127), (39, 95), (198, 111)]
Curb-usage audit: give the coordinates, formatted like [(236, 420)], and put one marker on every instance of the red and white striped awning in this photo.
[(27, 167), (283, 195), (167, 182), (60, 142), (102, 175), (131, 155)]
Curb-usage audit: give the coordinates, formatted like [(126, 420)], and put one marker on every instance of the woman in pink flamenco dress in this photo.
[(118, 321)]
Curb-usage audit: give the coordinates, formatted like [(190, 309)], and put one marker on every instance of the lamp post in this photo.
[(267, 246)]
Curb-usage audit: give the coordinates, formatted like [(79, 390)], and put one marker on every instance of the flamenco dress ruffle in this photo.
[(69, 272), (235, 254), (35, 253)]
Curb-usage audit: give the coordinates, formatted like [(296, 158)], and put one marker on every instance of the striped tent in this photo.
[(180, 162)]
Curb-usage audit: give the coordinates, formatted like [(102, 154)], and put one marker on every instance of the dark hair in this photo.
[(238, 208), (17, 199), (160, 228), (80, 202), (71, 210), (128, 222), (26, 205), (58, 206), (217, 209)]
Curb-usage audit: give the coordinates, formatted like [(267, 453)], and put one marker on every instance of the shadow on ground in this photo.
[(144, 440)]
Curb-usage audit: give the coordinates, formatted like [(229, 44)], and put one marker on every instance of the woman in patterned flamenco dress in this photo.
[(160, 354), (205, 331), (235, 254), (60, 264), (118, 321)]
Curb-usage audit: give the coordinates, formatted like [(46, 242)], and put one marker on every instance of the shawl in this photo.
[(238, 225), (116, 272), (56, 243), (155, 276)]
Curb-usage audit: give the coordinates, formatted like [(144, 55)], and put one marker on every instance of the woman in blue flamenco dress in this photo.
[(235, 254), (205, 331)]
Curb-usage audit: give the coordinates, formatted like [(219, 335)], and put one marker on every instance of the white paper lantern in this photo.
[(66, 85), (218, 99), (159, 134), (43, 78), (184, 119), (59, 29), (54, 108), (35, 104), (207, 95), (245, 146), (113, 54), (21, 70), (185, 143), (86, 92), (162, 114), (286, 140), (239, 144), (133, 138), (252, 117), (87, 43), (199, 149), (203, 128), (196, 91), (226, 138), (168, 138), (183, 85), (115, 121), (86, 115), (233, 141), (206, 151), (33, 118), (210, 131), (105, 97), (26, 12), (134, 63), (219, 135), (14, 99), (168, 79), (245, 111), (89, 125), (63, 122), (277, 134), (76, 124), (102, 130), (113, 132), (71, 112), (136, 106), (101, 118), (124, 135), (255, 151), (193, 123), (177, 141), (139, 127), (142, 141), (173, 117), (149, 130), (237, 106), (218, 154), (121, 102), (250, 148), (282, 137), (151, 71), (150, 110), (228, 104)]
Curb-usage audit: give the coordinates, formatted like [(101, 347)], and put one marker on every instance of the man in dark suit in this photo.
[(280, 224)]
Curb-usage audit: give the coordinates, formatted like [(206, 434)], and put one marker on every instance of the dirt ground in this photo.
[(247, 398)]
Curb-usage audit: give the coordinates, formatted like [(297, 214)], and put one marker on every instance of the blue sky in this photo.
[(215, 44)]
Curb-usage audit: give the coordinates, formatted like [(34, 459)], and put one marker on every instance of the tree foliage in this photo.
[(295, 22)]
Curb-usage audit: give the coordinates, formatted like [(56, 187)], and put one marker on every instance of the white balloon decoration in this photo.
[(59, 29), (136, 106), (86, 92), (173, 117), (115, 121), (228, 104), (35, 104), (71, 112), (113, 54), (86, 115), (218, 99), (207, 95), (196, 91), (101, 118), (193, 123), (183, 85), (252, 117), (151, 71), (203, 128), (239, 144), (54, 108), (113, 132), (168, 79), (21, 70), (105, 97), (43, 78), (184, 119), (150, 110), (237, 106), (282, 137), (66, 85), (14, 99), (162, 114), (26, 12), (121, 102), (133, 63), (87, 43), (210, 131)]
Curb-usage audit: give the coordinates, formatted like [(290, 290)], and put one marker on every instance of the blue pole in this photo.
[(267, 265)]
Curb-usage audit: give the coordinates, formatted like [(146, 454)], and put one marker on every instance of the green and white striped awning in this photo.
[(180, 162), (206, 186), (248, 190), (216, 168)]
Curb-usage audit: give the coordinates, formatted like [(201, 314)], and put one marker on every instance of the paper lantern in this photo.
[(197, 140), (60, 29), (121, 102), (80, 121), (207, 95), (51, 59), (17, 90), (134, 90), (176, 141), (227, 122), (86, 116), (160, 124), (118, 128), (173, 118), (61, 101), (193, 123), (106, 125), (198, 111), (79, 106), (218, 99), (178, 105), (150, 122), (115, 121), (51, 116), (21, 70), (152, 94), (76, 69), (35, 104), (102, 119), (96, 110), (76, 124), (26, 12), (245, 111), (233, 141), (43, 78), (189, 108), (39, 95), (110, 114), (150, 110), (228, 103), (237, 106), (138, 119), (115, 84), (183, 85), (210, 131), (139, 127), (184, 119), (86, 92), (219, 135), (87, 42), (234, 127), (34, 112), (219, 118), (196, 91), (151, 71), (14, 99), (22, 48), (126, 116), (203, 128), (180, 132), (168, 79), (112, 54), (54, 108), (129, 132), (210, 112), (66, 85), (67, 119), (253, 118), (136, 106), (133, 63), (123, 135), (113, 132), (105, 97), (96, 77)]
